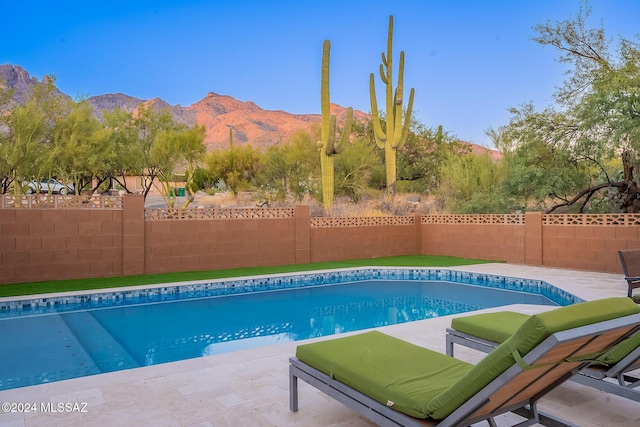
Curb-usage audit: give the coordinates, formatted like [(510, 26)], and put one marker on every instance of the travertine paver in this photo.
[(251, 387)]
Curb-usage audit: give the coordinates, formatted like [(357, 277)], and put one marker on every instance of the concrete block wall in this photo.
[(593, 248), (344, 243), (53, 244), (133, 236), (172, 246), (582, 247), (495, 242)]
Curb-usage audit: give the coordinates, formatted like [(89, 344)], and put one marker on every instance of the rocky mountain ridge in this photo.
[(18, 79), (218, 113)]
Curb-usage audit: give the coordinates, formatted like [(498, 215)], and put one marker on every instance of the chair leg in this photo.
[(621, 380), (293, 390), (449, 349)]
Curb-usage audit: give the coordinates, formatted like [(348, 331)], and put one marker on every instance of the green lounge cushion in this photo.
[(534, 330), (386, 369), (496, 327), (499, 326)]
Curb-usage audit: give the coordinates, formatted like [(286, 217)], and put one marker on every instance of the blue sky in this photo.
[(469, 61)]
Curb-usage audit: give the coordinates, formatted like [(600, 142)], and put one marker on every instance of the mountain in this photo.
[(218, 113), (18, 79), (480, 150), (111, 101), (250, 123)]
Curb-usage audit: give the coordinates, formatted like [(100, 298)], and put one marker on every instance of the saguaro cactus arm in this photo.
[(379, 134), (401, 131), (407, 121), (331, 136), (346, 132)]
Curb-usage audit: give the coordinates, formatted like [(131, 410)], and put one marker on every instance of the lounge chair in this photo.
[(610, 372), (630, 260), (393, 382)]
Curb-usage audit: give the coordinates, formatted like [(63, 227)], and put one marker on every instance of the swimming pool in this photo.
[(48, 339)]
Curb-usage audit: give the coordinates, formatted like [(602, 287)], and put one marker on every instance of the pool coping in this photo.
[(277, 281)]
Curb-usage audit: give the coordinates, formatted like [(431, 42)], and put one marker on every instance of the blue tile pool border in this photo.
[(40, 304)]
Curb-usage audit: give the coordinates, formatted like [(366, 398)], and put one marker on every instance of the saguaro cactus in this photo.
[(328, 146), (395, 135)]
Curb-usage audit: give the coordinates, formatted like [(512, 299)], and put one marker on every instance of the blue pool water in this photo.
[(51, 342)]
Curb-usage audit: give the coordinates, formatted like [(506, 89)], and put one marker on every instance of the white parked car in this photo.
[(48, 186)]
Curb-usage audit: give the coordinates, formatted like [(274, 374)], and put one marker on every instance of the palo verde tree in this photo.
[(178, 149), (150, 124), (420, 157), (80, 147), (394, 136), (584, 147), (328, 145), (290, 168), (134, 135), (23, 148), (472, 183), (237, 166), (354, 168), (149, 145), (122, 137)]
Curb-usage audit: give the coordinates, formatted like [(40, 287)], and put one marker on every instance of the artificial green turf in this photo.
[(115, 282)]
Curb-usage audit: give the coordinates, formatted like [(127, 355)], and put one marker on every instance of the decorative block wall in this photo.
[(69, 237)]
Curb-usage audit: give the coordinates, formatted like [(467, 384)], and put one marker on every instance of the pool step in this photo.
[(40, 349), (107, 353)]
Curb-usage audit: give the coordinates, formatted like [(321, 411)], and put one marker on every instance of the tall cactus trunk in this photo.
[(328, 146), (326, 165), (390, 160)]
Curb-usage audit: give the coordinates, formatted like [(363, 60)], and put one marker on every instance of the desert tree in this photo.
[(419, 159), (121, 138), (354, 168), (497, 137), (80, 147), (23, 147), (472, 183), (236, 166), (290, 168), (134, 135), (177, 150), (584, 147)]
